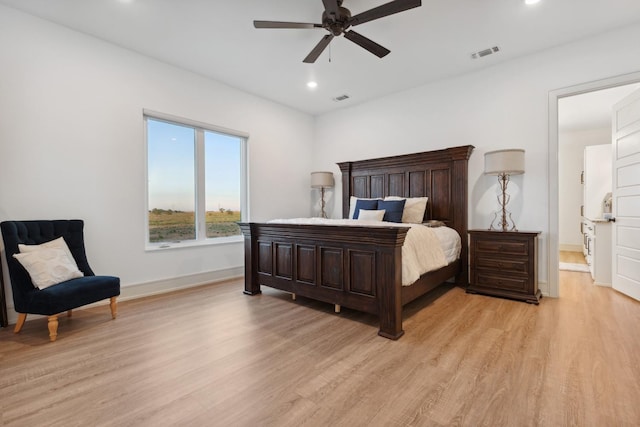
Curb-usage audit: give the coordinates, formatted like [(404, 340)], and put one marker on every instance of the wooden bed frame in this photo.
[(361, 267)]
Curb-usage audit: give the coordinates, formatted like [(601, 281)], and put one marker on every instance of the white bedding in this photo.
[(425, 248)]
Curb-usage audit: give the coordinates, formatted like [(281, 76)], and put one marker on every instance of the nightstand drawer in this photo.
[(502, 282), (505, 265), (503, 247)]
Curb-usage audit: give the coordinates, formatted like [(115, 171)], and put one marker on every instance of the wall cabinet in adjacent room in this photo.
[(596, 179)]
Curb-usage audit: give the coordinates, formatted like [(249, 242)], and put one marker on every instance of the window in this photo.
[(196, 181)]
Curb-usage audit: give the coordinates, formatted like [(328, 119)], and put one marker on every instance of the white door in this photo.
[(626, 196)]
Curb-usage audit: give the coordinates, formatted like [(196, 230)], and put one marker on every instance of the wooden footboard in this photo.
[(355, 267)]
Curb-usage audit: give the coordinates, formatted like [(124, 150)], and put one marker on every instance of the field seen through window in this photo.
[(166, 225)]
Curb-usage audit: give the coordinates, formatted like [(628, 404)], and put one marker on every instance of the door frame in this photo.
[(554, 201)]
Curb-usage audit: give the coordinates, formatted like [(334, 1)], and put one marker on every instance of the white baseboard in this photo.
[(163, 286), (605, 285), (544, 288), (156, 287)]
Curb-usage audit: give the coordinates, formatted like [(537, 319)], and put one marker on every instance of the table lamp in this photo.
[(504, 163), (322, 180)]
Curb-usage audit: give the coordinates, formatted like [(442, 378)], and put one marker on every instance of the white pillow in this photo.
[(48, 266), (352, 204), (414, 208), (371, 215), (58, 243)]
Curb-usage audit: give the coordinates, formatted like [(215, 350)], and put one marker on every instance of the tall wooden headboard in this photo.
[(440, 175)]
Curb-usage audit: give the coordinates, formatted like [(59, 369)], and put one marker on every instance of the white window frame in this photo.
[(200, 208)]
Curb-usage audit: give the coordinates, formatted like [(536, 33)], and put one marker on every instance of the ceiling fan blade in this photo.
[(384, 10), (278, 24), (320, 47), (366, 43), (331, 7)]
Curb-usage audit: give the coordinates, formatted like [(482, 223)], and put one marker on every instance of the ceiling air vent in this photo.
[(485, 52), (341, 98)]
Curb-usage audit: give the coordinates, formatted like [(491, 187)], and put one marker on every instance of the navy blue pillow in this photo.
[(392, 209), (366, 204)]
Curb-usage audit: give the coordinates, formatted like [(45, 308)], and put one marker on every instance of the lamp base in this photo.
[(502, 224), (323, 213), (500, 221)]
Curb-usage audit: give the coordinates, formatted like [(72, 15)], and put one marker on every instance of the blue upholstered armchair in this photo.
[(61, 297)]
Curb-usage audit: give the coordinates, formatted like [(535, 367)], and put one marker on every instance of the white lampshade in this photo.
[(509, 162), (322, 179)]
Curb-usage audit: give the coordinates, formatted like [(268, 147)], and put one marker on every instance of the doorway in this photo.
[(555, 97), (585, 179)]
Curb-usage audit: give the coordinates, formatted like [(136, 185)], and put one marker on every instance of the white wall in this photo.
[(72, 146), (71, 137), (505, 106), (571, 156)]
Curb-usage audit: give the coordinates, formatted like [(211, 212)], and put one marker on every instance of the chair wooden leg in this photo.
[(53, 327), (114, 307), (20, 323)]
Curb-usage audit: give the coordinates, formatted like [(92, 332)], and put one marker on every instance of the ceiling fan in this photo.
[(337, 20)]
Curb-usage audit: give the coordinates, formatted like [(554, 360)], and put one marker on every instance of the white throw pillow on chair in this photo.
[(48, 263)]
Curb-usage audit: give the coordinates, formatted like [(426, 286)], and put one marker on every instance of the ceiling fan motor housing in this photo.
[(339, 24)]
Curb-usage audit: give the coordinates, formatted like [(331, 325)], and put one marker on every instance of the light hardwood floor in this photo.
[(572, 257), (212, 356)]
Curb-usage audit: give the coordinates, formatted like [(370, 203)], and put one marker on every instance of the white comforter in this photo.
[(425, 249)]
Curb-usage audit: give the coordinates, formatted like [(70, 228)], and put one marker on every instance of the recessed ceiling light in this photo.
[(531, 2), (312, 85)]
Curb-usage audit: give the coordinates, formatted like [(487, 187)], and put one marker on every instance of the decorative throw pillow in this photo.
[(48, 266), (365, 204), (58, 243), (371, 215), (352, 205), (393, 209), (414, 208)]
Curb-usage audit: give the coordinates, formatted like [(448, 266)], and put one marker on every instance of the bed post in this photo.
[(345, 168), (251, 287), (390, 297), (460, 157)]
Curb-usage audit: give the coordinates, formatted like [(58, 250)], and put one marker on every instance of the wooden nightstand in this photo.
[(504, 264)]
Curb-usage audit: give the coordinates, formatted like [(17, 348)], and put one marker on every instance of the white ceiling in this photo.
[(216, 38), (590, 110)]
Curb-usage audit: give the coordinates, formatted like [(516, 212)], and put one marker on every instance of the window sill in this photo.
[(152, 247)]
